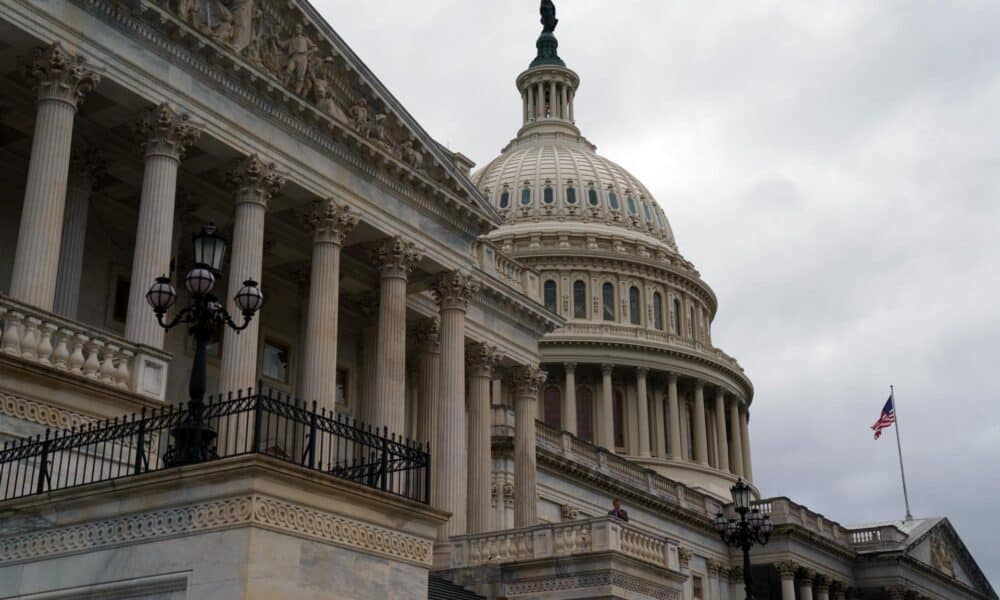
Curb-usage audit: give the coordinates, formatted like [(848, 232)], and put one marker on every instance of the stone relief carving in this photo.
[(941, 556)]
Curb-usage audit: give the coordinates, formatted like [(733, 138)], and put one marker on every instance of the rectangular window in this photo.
[(698, 587), (342, 389), (276, 361)]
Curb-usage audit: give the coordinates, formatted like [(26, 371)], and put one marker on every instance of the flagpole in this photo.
[(899, 447)]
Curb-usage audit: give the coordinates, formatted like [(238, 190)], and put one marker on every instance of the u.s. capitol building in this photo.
[(451, 377)]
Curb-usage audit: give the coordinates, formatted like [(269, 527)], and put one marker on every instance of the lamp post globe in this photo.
[(752, 528)]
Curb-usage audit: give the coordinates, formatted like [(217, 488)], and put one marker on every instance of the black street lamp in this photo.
[(194, 439), (743, 534)]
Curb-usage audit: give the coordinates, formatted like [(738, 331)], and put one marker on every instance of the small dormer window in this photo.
[(613, 200), (630, 202), (593, 198), (526, 196), (505, 199), (548, 196), (571, 196)]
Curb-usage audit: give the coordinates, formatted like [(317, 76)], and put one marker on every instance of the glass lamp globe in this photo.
[(209, 248), (720, 522), (767, 526), (756, 518), (199, 281), (741, 495), (249, 299), (161, 296)]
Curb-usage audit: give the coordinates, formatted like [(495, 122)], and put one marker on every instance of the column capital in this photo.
[(699, 385), (395, 258), (736, 575), (641, 371), (570, 367), (672, 378), (806, 576), (454, 290), (684, 558), (481, 359), (822, 583), (86, 166), (787, 569), (714, 567), (255, 181), (163, 131), (527, 380), (607, 368), (330, 222), (428, 335), (59, 75)]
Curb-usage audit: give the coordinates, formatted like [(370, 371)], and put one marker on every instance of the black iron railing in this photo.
[(251, 422)]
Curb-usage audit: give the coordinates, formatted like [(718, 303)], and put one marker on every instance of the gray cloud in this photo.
[(832, 168)]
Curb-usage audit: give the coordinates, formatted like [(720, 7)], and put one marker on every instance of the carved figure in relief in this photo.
[(378, 132), (190, 12), (359, 115), (243, 16), (325, 101), (411, 156), (298, 48), (223, 31)]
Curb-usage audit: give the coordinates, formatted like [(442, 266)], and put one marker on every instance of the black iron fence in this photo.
[(251, 422)]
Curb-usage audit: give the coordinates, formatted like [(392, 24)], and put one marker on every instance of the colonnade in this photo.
[(460, 441), (548, 100), (803, 583), (710, 428)]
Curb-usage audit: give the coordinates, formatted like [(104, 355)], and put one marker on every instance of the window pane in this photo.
[(677, 316), (275, 361), (608, 292), (548, 196), (525, 197), (613, 200), (630, 201), (649, 215), (552, 408), (550, 295), (633, 305), (505, 200), (580, 300), (570, 196), (658, 311), (592, 197), (585, 413)]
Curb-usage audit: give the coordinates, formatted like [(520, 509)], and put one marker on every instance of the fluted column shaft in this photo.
[(659, 421), (720, 429), (449, 454), (527, 381), (62, 82), (85, 168), (745, 439), (643, 410), (569, 400), (736, 443), (675, 417), (606, 425), (428, 370), (480, 361), (395, 259), (806, 579), (787, 573), (330, 223), (166, 134), (700, 434), (255, 182)]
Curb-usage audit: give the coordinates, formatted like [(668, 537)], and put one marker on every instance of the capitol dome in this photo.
[(633, 369)]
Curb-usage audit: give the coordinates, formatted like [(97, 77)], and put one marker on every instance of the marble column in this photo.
[(62, 81), (428, 340), (822, 587), (568, 416), (395, 259), (165, 135), (736, 443), (786, 571), (659, 421), (806, 578), (745, 439), (540, 101), (606, 418), (720, 430), (85, 168), (330, 223), (480, 360), (676, 444), (700, 434), (453, 291), (367, 305), (254, 183), (642, 404), (527, 381)]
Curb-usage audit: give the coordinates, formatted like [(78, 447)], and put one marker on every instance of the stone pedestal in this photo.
[(62, 81)]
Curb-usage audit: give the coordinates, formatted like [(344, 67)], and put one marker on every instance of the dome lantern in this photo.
[(548, 87)]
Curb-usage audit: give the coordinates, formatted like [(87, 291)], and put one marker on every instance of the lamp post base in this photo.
[(194, 442)]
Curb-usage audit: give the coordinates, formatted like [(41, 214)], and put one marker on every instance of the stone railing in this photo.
[(641, 334), (876, 538), (515, 274), (53, 342), (572, 538), (785, 512)]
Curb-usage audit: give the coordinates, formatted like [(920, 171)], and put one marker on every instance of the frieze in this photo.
[(40, 413)]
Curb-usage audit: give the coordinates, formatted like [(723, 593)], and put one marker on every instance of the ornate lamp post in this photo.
[(752, 528), (194, 439)]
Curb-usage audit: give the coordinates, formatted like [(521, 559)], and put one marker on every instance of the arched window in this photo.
[(658, 311), (633, 305), (608, 299), (613, 200), (592, 197), (553, 407), (677, 316), (505, 199), (579, 299), (585, 413), (649, 215), (571, 196), (630, 202), (525, 196), (619, 419), (548, 196), (550, 295)]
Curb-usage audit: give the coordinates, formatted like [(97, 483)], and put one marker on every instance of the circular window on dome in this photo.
[(592, 197), (571, 196), (630, 202), (525, 196), (548, 196), (505, 199), (613, 201)]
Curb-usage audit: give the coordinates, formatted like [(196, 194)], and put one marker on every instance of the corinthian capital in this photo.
[(59, 75), (395, 258), (163, 130), (787, 569), (528, 380), (331, 222), (454, 290), (428, 335), (255, 181), (480, 359), (86, 166)]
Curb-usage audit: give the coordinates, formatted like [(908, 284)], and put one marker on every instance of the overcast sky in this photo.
[(832, 169)]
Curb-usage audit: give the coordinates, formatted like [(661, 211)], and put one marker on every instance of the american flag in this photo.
[(886, 419)]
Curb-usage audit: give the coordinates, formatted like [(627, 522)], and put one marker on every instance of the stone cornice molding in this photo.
[(59, 75), (248, 510), (166, 132), (395, 258), (331, 222), (255, 181), (527, 381), (481, 359), (454, 290)]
